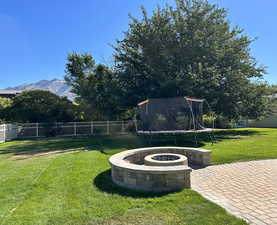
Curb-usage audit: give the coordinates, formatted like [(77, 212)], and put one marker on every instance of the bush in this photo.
[(222, 122), (218, 120), (208, 120), (40, 106)]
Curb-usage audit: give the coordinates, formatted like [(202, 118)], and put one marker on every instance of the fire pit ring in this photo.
[(165, 159)]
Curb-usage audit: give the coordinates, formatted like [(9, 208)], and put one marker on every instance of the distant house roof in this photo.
[(9, 93)]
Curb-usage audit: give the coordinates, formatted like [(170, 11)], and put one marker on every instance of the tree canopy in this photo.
[(40, 106), (190, 49), (4, 103), (95, 86)]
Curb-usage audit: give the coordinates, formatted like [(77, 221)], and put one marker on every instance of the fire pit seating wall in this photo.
[(128, 169)]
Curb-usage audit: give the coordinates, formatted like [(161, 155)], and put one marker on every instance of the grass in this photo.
[(67, 181), (244, 145)]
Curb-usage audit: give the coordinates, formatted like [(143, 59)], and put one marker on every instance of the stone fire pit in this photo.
[(165, 159), (158, 169)]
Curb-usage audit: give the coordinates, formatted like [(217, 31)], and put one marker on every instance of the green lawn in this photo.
[(67, 181)]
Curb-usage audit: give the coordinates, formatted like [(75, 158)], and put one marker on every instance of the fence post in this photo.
[(16, 131), (56, 128), (91, 127), (122, 126), (36, 129), (4, 131), (75, 129), (136, 124), (108, 127)]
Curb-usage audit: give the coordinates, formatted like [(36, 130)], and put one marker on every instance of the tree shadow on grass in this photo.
[(198, 140), (180, 140), (103, 182), (104, 144), (110, 145), (235, 134)]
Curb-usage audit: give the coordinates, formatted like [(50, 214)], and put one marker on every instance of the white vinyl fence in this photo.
[(32, 130), (8, 132)]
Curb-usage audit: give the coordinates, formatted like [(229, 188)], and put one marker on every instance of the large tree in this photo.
[(95, 86), (40, 106), (191, 50)]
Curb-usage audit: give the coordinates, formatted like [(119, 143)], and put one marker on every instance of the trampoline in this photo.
[(179, 115)]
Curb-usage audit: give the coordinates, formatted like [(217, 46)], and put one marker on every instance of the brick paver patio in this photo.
[(247, 189)]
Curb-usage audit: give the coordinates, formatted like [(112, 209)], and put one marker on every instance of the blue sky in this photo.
[(36, 36)]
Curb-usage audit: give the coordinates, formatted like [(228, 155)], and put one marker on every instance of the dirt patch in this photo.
[(41, 154)]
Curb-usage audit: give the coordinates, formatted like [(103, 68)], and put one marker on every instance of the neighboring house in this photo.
[(9, 93), (267, 122)]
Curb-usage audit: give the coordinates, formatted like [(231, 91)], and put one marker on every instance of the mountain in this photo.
[(56, 86)]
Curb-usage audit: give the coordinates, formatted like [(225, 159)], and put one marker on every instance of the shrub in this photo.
[(222, 122), (208, 120), (216, 121)]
